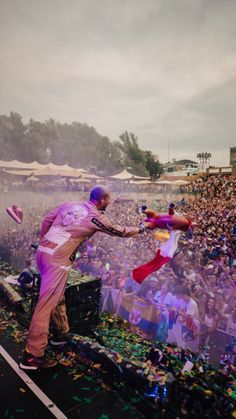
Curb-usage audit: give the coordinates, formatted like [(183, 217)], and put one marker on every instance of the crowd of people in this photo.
[(196, 290)]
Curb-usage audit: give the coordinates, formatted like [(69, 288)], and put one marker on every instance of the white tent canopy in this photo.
[(46, 171), (64, 167), (49, 171), (15, 164), (60, 167), (125, 175), (70, 173), (34, 165), (19, 172)]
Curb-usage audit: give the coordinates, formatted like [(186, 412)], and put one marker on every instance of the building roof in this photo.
[(179, 163)]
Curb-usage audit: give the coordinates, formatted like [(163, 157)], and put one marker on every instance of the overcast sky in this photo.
[(162, 69)]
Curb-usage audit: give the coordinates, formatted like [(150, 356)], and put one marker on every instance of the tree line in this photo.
[(75, 144)]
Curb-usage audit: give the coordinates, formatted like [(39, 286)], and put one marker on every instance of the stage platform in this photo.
[(73, 392), (113, 373)]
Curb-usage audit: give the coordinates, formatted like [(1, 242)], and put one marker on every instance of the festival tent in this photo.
[(53, 166), (34, 165), (64, 167), (70, 173), (11, 164), (15, 164), (19, 172), (49, 171), (125, 175), (46, 171)]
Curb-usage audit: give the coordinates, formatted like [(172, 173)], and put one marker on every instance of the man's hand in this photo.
[(142, 228)]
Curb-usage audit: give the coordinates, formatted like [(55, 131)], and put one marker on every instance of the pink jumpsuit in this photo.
[(62, 232)]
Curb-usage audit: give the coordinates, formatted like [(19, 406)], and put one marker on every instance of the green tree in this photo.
[(153, 165), (132, 155), (35, 143), (76, 144), (11, 136)]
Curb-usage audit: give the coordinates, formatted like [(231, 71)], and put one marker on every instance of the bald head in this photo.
[(100, 196)]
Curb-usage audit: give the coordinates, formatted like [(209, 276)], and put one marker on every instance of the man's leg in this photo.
[(53, 281)]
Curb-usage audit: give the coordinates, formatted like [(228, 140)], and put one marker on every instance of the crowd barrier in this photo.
[(139, 312)]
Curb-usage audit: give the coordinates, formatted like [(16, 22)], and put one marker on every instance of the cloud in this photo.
[(163, 69)]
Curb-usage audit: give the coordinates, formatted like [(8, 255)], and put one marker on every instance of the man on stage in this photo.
[(62, 232)]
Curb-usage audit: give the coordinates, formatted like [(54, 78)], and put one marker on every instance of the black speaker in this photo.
[(82, 296)]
